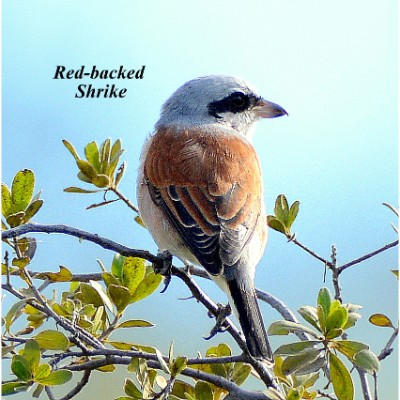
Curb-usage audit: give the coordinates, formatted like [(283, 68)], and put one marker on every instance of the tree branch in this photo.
[(367, 256), (387, 350), (223, 383), (80, 234), (79, 386), (108, 244)]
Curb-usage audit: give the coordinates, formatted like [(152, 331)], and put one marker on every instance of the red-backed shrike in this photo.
[(200, 189)]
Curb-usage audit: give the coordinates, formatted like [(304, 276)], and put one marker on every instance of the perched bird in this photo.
[(200, 189)]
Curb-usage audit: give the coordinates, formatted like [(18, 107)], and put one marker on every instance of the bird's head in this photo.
[(217, 99)]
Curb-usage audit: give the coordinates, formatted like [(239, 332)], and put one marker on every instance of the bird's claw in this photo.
[(164, 268), (221, 324)]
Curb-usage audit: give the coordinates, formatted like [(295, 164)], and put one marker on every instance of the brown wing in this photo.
[(209, 187)]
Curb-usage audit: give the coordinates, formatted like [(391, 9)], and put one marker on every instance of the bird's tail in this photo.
[(243, 295)]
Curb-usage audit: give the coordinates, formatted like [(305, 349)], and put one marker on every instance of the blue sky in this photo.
[(331, 65)]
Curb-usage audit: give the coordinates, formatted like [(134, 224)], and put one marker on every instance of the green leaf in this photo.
[(74, 189), (38, 391), (92, 155), (309, 380), (32, 209), (31, 354), (20, 367), (135, 323), (13, 388), (162, 362), (103, 296), (71, 149), (105, 156), (341, 379), (276, 224), (52, 340), (292, 364), (203, 391), (295, 394), (101, 181), (293, 211), (116, 153), (222, 350), (15, 219), (133, 272), (22, 190), (178, 366), (86, 169), (337, 318), (148, 285), (63, 275), (334, 333), (295, 348), (117, 265), (131, 390), (312, 367), (282, 209), (6, 203), (81, 176), (352, 318), (98, 319), (55, 378), (285, 327), (14, 312), (310, 314), (107, 368), (240, 373), (42, 372), (181, 388), (21, 262), (349, 348), (120, 296), (381, 320), (325, 301), (367, 360), (110, 279), (116, 150)]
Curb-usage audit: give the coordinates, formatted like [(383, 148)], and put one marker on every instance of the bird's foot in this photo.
[(221, 324), (164, 268)]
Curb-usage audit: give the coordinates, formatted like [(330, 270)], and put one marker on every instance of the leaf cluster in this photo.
[(28, 370), (284, 216), (329, 320), (100, 166)]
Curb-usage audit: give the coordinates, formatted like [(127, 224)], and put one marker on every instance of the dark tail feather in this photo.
[(245, 301)]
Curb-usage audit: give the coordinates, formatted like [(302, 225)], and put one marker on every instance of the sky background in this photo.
[(331, 65)]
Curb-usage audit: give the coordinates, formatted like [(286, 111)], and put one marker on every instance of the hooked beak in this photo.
[(267, 109)]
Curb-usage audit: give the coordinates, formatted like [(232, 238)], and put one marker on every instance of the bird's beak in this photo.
[(267, 109)]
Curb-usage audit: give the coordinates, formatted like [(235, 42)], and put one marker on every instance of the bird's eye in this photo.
[(235, 103), (239, 101)]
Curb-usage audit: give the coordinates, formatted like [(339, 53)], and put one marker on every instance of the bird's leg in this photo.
[(164, 268), (221, 315)]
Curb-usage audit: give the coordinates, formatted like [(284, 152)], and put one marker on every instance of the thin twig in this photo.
[(388, 349), (49, 393), (364, 384), (264, 374), (79, 386), (335, 274), (214, 379), (309, 251), (367, 256), (125, 200), (80, 234)]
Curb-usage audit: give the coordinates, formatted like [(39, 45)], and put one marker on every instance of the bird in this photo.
[(200, 190)]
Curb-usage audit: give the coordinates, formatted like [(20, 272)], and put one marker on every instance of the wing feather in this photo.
[(209, 187)]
